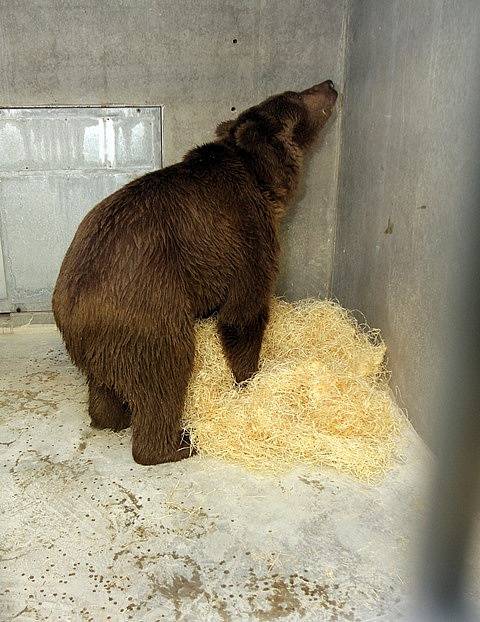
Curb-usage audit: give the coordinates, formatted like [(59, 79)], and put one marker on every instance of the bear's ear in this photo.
[(250, 134), (223, 129)]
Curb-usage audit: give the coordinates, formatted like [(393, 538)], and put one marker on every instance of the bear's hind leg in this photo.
[(106, 410), (156, 394)]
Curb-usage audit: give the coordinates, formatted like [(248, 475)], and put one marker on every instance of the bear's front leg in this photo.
[(241, 339)]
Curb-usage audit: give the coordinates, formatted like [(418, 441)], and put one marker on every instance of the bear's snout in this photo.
[(331, 92), (320, 98), (324, 90)]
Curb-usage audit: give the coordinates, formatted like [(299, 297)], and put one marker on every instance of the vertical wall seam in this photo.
[(340, 143)]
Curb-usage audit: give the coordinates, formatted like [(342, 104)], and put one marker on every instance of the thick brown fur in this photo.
[(176, 245)]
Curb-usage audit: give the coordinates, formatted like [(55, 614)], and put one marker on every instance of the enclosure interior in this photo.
[(381, 222)]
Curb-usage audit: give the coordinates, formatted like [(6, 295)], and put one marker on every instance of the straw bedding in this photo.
[(320, 397)]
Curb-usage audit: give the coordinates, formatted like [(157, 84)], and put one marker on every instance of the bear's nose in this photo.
[(330, 84)]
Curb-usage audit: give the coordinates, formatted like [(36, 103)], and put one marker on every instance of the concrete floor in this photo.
[(90, 535)]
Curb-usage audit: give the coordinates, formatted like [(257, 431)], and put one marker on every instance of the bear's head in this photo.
[(275, 135)]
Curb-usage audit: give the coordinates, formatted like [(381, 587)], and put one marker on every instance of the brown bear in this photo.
[(195, 238)]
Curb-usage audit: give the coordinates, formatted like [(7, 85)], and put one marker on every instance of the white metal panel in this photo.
[(55, 165)]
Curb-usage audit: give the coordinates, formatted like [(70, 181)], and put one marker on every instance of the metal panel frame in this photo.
[(7, 304), (4, 301)]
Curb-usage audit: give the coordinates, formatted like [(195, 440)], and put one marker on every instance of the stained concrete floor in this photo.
[(90, 535)]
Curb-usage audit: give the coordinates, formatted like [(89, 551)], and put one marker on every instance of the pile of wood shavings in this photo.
[(320, 397)]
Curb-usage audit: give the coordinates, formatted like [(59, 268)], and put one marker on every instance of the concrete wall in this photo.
[(182, 54), (409, 170)]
